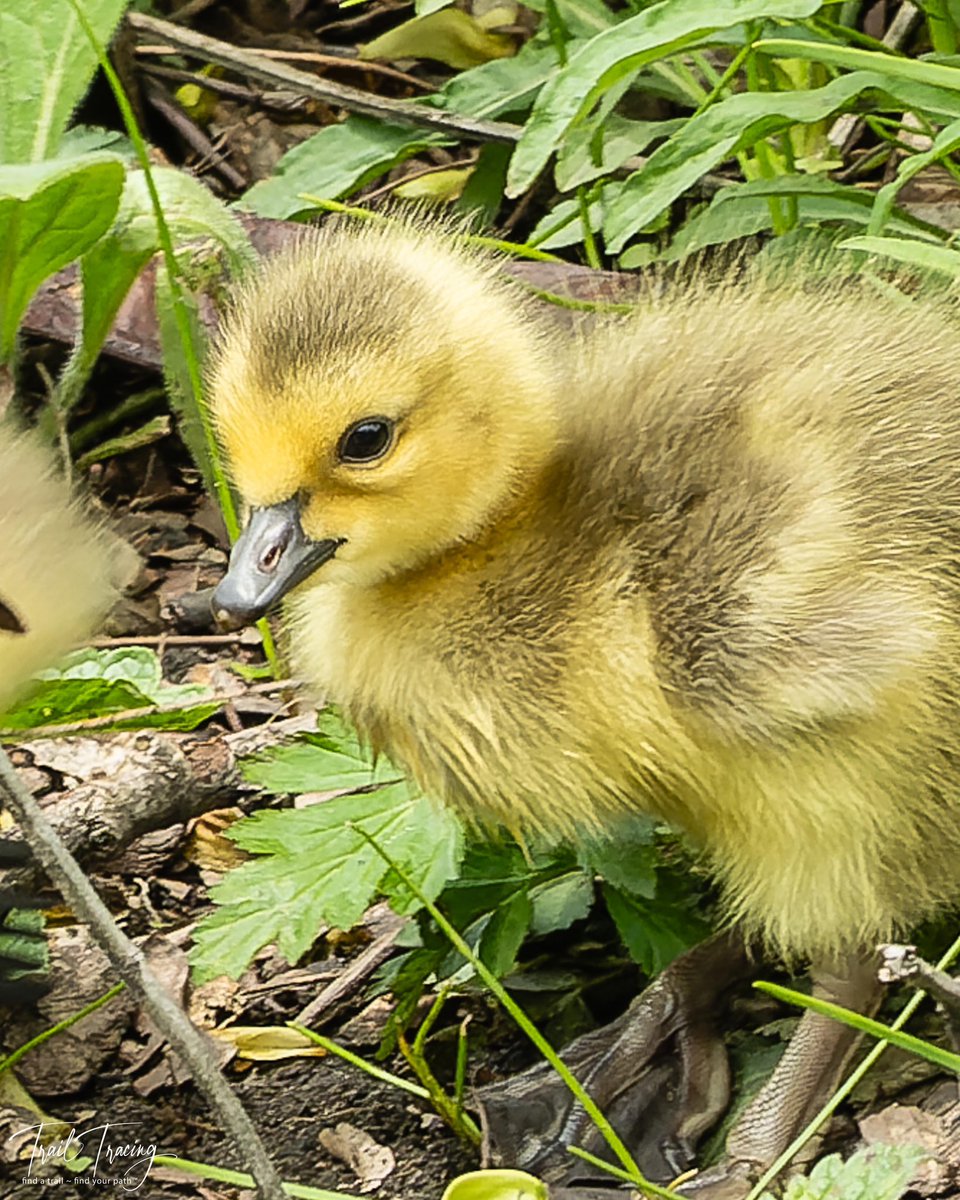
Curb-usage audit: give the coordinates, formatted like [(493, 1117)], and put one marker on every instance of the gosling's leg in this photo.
[(659, 1073), (802, 1082)]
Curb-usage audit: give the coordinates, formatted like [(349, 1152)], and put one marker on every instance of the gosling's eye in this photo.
[(366, 441)]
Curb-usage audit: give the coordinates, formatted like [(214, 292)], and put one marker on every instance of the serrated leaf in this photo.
[(504, 933), (449, 36), (654, 931), (332, 759), (96, 683), (50, 213), (48, 63), (627, 858), (557, 903), (873, 1173), (318, 868), (658, 31), (739, 122)]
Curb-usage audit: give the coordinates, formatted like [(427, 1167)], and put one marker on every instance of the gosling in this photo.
[(700, 563), (56, 566)]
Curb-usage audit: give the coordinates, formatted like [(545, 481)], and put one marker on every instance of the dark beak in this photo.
[(271, 556)]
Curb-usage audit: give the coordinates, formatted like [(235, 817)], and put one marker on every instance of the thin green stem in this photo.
[(589, 241), (371, 1068), (580, 1094), (844, 1091), (181, 314), (300, 1191), (515, 249), (14, 1056)]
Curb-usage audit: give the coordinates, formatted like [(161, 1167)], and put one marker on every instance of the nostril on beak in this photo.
[(270, 558)]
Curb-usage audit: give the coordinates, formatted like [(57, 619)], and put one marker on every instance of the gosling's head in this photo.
[(382, 396)]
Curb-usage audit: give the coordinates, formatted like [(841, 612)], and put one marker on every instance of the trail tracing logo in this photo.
[(104, 1156)]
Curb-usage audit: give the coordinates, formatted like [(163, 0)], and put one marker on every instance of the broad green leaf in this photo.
[(627, 858), (873, 1173), (914, 253), (558, 902), (655, 931), (317, 868), (97, 683), (496, 1185), (743, 210), (449, 36), (47, 67), (657, 32), (309, 765), (333, 163), (504, 933), (505, 86), (738, 122), (50, 213), (483, 194)]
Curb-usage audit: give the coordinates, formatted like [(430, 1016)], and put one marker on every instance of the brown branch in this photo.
[(277, 74), (131, 966)]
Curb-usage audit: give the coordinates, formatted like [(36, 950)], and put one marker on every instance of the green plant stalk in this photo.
[(846, 1016), (460, 1071), (132, 406), (300, 1191), (763, 155), (595, 306), (181, 317), (514, 249), (838, 1097), (932, 74), (589, 241), (14, 1057), (603, 1165), (462, 1124), (430, 1020), (355, 1060), (722, 84), (609, 1134)]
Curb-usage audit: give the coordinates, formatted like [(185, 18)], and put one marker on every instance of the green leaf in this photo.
[(496, 1185), (333, 759), (50, 213), (914, 253), (449, 36), (657, 32), (892, 66), (603, 143), (743, 210), (317, 868), (583, 18), (873, 1173), (503, 934), (655, 931), (497, 88), (738, 122), (558, 902), (47, 67), (96, 683), (333, 163), (627, 858)]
